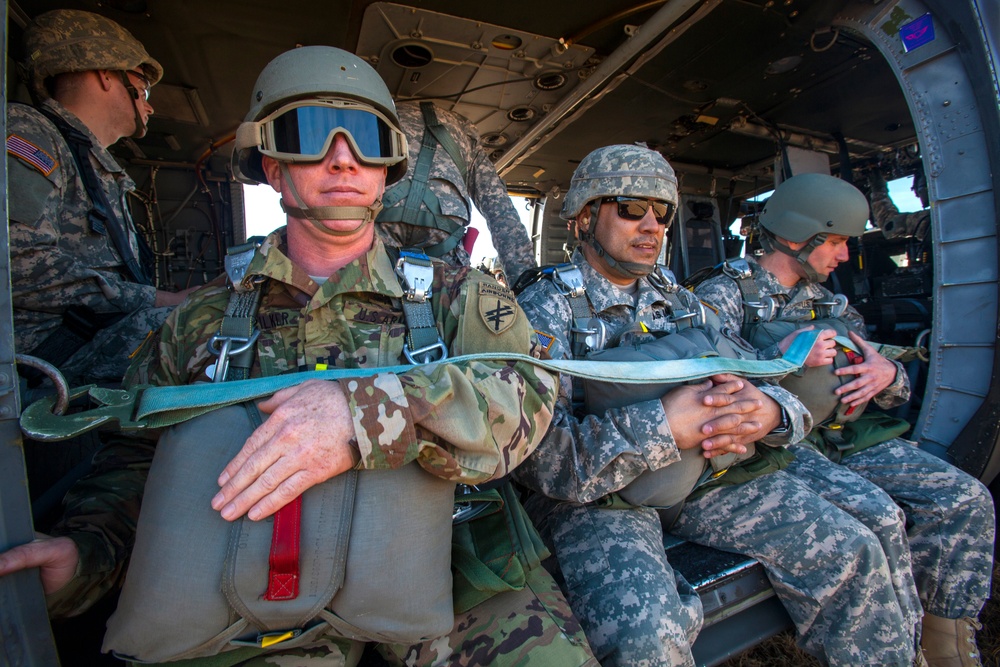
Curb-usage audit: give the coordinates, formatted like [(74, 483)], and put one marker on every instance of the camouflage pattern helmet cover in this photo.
[(809, 204), (313, 72), (620, 170), (70, 40)]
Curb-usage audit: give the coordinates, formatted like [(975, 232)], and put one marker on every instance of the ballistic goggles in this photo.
[(303, 131), (631, 208)]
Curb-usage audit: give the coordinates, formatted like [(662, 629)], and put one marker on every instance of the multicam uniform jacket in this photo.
[(481, 185), (56, 259), (469, 421)]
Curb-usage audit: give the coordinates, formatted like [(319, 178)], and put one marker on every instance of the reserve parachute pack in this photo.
[(699, 335)]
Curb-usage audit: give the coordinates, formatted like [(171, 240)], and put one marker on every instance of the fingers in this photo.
[(734, 419), (56, 556), (722, 445)]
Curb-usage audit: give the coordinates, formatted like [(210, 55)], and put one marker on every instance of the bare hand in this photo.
[(824, 350), (165, 298), (305, 442), (713, 406), (874, 374), (759, 415), (57, 558)]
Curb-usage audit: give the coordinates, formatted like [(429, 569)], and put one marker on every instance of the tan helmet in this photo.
[(809, 207), (70, 40)]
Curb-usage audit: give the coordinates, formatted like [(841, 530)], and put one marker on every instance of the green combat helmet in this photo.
[(301, 101), (69, 40), (619, 171), (809, 207)]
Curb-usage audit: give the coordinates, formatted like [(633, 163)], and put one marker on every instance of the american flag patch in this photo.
[(31, 154)]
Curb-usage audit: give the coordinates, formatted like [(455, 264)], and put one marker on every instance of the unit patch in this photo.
[(30, 153), (545, 339), (497, 307)]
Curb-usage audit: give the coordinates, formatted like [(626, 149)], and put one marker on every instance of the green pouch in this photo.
[(765, 460), (868, 430), (491, 553)]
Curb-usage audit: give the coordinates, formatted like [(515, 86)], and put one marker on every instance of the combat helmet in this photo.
[(70, 40), (619, 171), (301, 101), (809, 207)]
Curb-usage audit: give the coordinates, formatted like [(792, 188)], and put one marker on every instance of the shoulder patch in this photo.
[(497, 307), (545, 340), (30, 153)]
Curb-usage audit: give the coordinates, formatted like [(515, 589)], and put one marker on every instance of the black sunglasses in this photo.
[(634, 209)]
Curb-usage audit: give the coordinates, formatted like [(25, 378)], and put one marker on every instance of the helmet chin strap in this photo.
[(627, 270), (768, 242), (140, 127), (316, 214)]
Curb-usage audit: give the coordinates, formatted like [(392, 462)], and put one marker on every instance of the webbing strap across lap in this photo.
[(157, 407)]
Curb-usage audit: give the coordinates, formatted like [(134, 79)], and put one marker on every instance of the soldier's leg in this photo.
[(873, 507), (827, 568), (619, 583), (106, 358), (530, 627), (950, 516)]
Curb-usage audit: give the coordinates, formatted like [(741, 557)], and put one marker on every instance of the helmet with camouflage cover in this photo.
[(808, 208), (70, 40), (619, 171)]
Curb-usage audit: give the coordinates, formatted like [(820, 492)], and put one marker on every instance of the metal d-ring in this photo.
[(52, 373)]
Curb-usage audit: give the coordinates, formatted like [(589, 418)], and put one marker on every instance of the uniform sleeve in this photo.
[(471, 421), (800, 419), (583, 459), (510, 238)]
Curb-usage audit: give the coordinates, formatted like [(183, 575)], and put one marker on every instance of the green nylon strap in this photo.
[(159, 407)]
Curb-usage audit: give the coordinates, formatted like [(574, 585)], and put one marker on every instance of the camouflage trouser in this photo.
[(827, 568), (106, 358), (533, 627), (950, 523), (619, 583)]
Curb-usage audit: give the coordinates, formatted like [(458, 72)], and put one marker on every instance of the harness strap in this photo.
[(102, 216), (234, 344), (415, 191), (423, 341)]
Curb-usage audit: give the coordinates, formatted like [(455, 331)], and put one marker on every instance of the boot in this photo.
[(950, 642)]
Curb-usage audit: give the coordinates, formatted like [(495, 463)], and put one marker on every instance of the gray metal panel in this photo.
[(970, 210), (962, 262), (960, 311)]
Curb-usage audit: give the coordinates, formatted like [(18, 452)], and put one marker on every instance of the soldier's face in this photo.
[(625, 240), (337, 180), (825, 258), (142, 105)]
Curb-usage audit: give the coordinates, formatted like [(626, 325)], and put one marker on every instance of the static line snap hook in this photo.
[(52, 373)]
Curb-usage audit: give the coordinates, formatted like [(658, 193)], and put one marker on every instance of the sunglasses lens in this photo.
[(305, 130), (635, 209)]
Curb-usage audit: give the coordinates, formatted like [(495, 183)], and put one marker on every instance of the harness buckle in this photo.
[(833, 309), (737, 268), (223, 348), (417, 274), (424, 355), (588, 335), (766, 309), (568, 279)]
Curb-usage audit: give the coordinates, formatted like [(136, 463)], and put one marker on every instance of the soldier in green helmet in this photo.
[(939, 531), (324, 292)]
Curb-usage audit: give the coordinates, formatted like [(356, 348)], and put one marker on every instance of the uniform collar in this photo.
[(603, 295), (100, 153)]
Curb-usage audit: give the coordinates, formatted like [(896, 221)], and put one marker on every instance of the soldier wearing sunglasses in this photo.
[(603, 480)]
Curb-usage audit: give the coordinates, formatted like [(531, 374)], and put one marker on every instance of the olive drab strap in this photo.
[(415, 190), (423, 341), (234, 344), (137, 258)]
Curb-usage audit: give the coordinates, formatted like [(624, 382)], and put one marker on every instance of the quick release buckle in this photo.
[(417, 274), (766, 309), (568, 279), (834, 308), (737, 268)]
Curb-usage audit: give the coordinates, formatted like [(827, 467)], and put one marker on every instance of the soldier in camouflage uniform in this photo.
[(946, 514), (827, 568), (83, 296), (331, 298), (430, 207)]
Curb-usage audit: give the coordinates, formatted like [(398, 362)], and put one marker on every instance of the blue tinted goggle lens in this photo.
[(305, 130), (635, 209)]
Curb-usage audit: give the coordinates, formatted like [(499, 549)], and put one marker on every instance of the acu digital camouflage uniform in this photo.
[(469, 422), (480, 184), (57, 260), (886, 215), (826, 567), (945, 514)]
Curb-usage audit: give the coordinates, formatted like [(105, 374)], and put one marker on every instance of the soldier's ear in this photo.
[(272, 170), (105, 78)]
